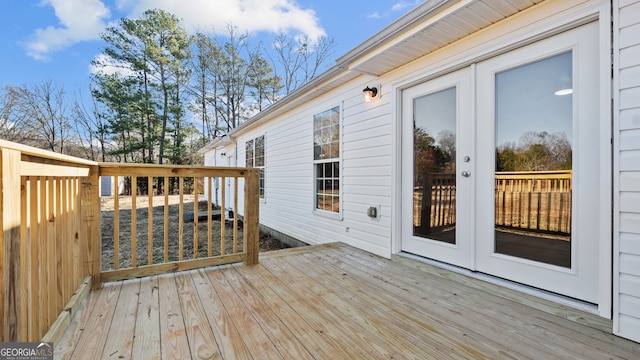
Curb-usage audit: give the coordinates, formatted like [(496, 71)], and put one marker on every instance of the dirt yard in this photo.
[(158, 230)]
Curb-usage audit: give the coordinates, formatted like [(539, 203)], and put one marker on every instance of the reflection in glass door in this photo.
[(533, 185), (434, 162)]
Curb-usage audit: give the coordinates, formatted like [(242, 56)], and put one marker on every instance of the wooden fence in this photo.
[(51, 243), (435, 201), (538, 201), (533, 201)]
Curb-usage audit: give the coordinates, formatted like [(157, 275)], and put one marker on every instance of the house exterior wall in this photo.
[(288, 205), (627, 176), (371, 143)]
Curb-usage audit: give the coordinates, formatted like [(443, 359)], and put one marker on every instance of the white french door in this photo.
[(437, 189), (516, 195)]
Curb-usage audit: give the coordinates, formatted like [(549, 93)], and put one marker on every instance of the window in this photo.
[(326, 159), (255, 158)]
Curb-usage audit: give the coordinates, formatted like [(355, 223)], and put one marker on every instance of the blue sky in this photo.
[(57, 39)]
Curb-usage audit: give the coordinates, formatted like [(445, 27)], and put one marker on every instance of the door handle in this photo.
[(466, 173)]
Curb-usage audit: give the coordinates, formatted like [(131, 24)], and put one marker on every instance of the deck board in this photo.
[(520, 321), (316, 343), (397, 313), (98, 325), (119, 344), (147, 331), (174, 342), (275, 328), (321, 302), (202, 341), (254, 337)]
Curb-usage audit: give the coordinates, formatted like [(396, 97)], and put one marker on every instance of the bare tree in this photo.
[(13, 126), (43, 106), (92, 129), (300, 59)]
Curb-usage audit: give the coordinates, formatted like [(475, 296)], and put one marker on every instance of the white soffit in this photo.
[(439, 28)]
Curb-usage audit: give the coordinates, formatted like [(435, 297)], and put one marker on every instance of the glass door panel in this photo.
[(533, 171), (539, 152), (437, 162), (434, 161)]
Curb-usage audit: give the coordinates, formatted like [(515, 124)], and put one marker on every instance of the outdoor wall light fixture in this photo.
[(370, 93)]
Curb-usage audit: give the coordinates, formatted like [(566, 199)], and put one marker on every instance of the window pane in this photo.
[(328, 170), (334, 204), (262, 183), (249, 153), (334, 150), (434, 179), (320, 202), (336, 187), (326, 134), (335, 132), (533, 177), (259, 151)]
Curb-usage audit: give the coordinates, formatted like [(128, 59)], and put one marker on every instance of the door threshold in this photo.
[(568, 308)]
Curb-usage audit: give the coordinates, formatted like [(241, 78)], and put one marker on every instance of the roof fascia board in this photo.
[(429, 10)]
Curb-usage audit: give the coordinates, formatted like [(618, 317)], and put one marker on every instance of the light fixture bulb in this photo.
[(369, 93), (565, 87), (562, 92)]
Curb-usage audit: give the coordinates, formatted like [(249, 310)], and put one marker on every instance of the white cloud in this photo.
[(374, 15), (84, 20), (80, 20), (108, 67), (248, 15), (401, 5)]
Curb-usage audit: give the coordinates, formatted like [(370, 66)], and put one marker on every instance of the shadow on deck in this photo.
[(320, 302)]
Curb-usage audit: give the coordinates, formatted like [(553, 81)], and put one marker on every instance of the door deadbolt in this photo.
[(466, 173)]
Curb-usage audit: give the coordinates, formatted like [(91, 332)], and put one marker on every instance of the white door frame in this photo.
[(460, 253), (543, 21), (581, 280)]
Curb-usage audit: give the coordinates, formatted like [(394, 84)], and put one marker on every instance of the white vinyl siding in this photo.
[(627, 224)]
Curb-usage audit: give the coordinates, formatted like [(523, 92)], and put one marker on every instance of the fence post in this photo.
[(251, 230), (91, 222), (13, 283)]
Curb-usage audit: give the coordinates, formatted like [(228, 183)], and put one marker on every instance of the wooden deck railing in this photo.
[(159, 244), (49, 219), (532, 201), (435, 201), (538, 201), (51, 243)]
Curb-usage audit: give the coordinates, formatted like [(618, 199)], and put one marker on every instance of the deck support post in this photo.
[(251, 229), (91, 223), (13, 312)]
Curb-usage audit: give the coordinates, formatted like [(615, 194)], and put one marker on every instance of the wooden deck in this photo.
[(320, 302)]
